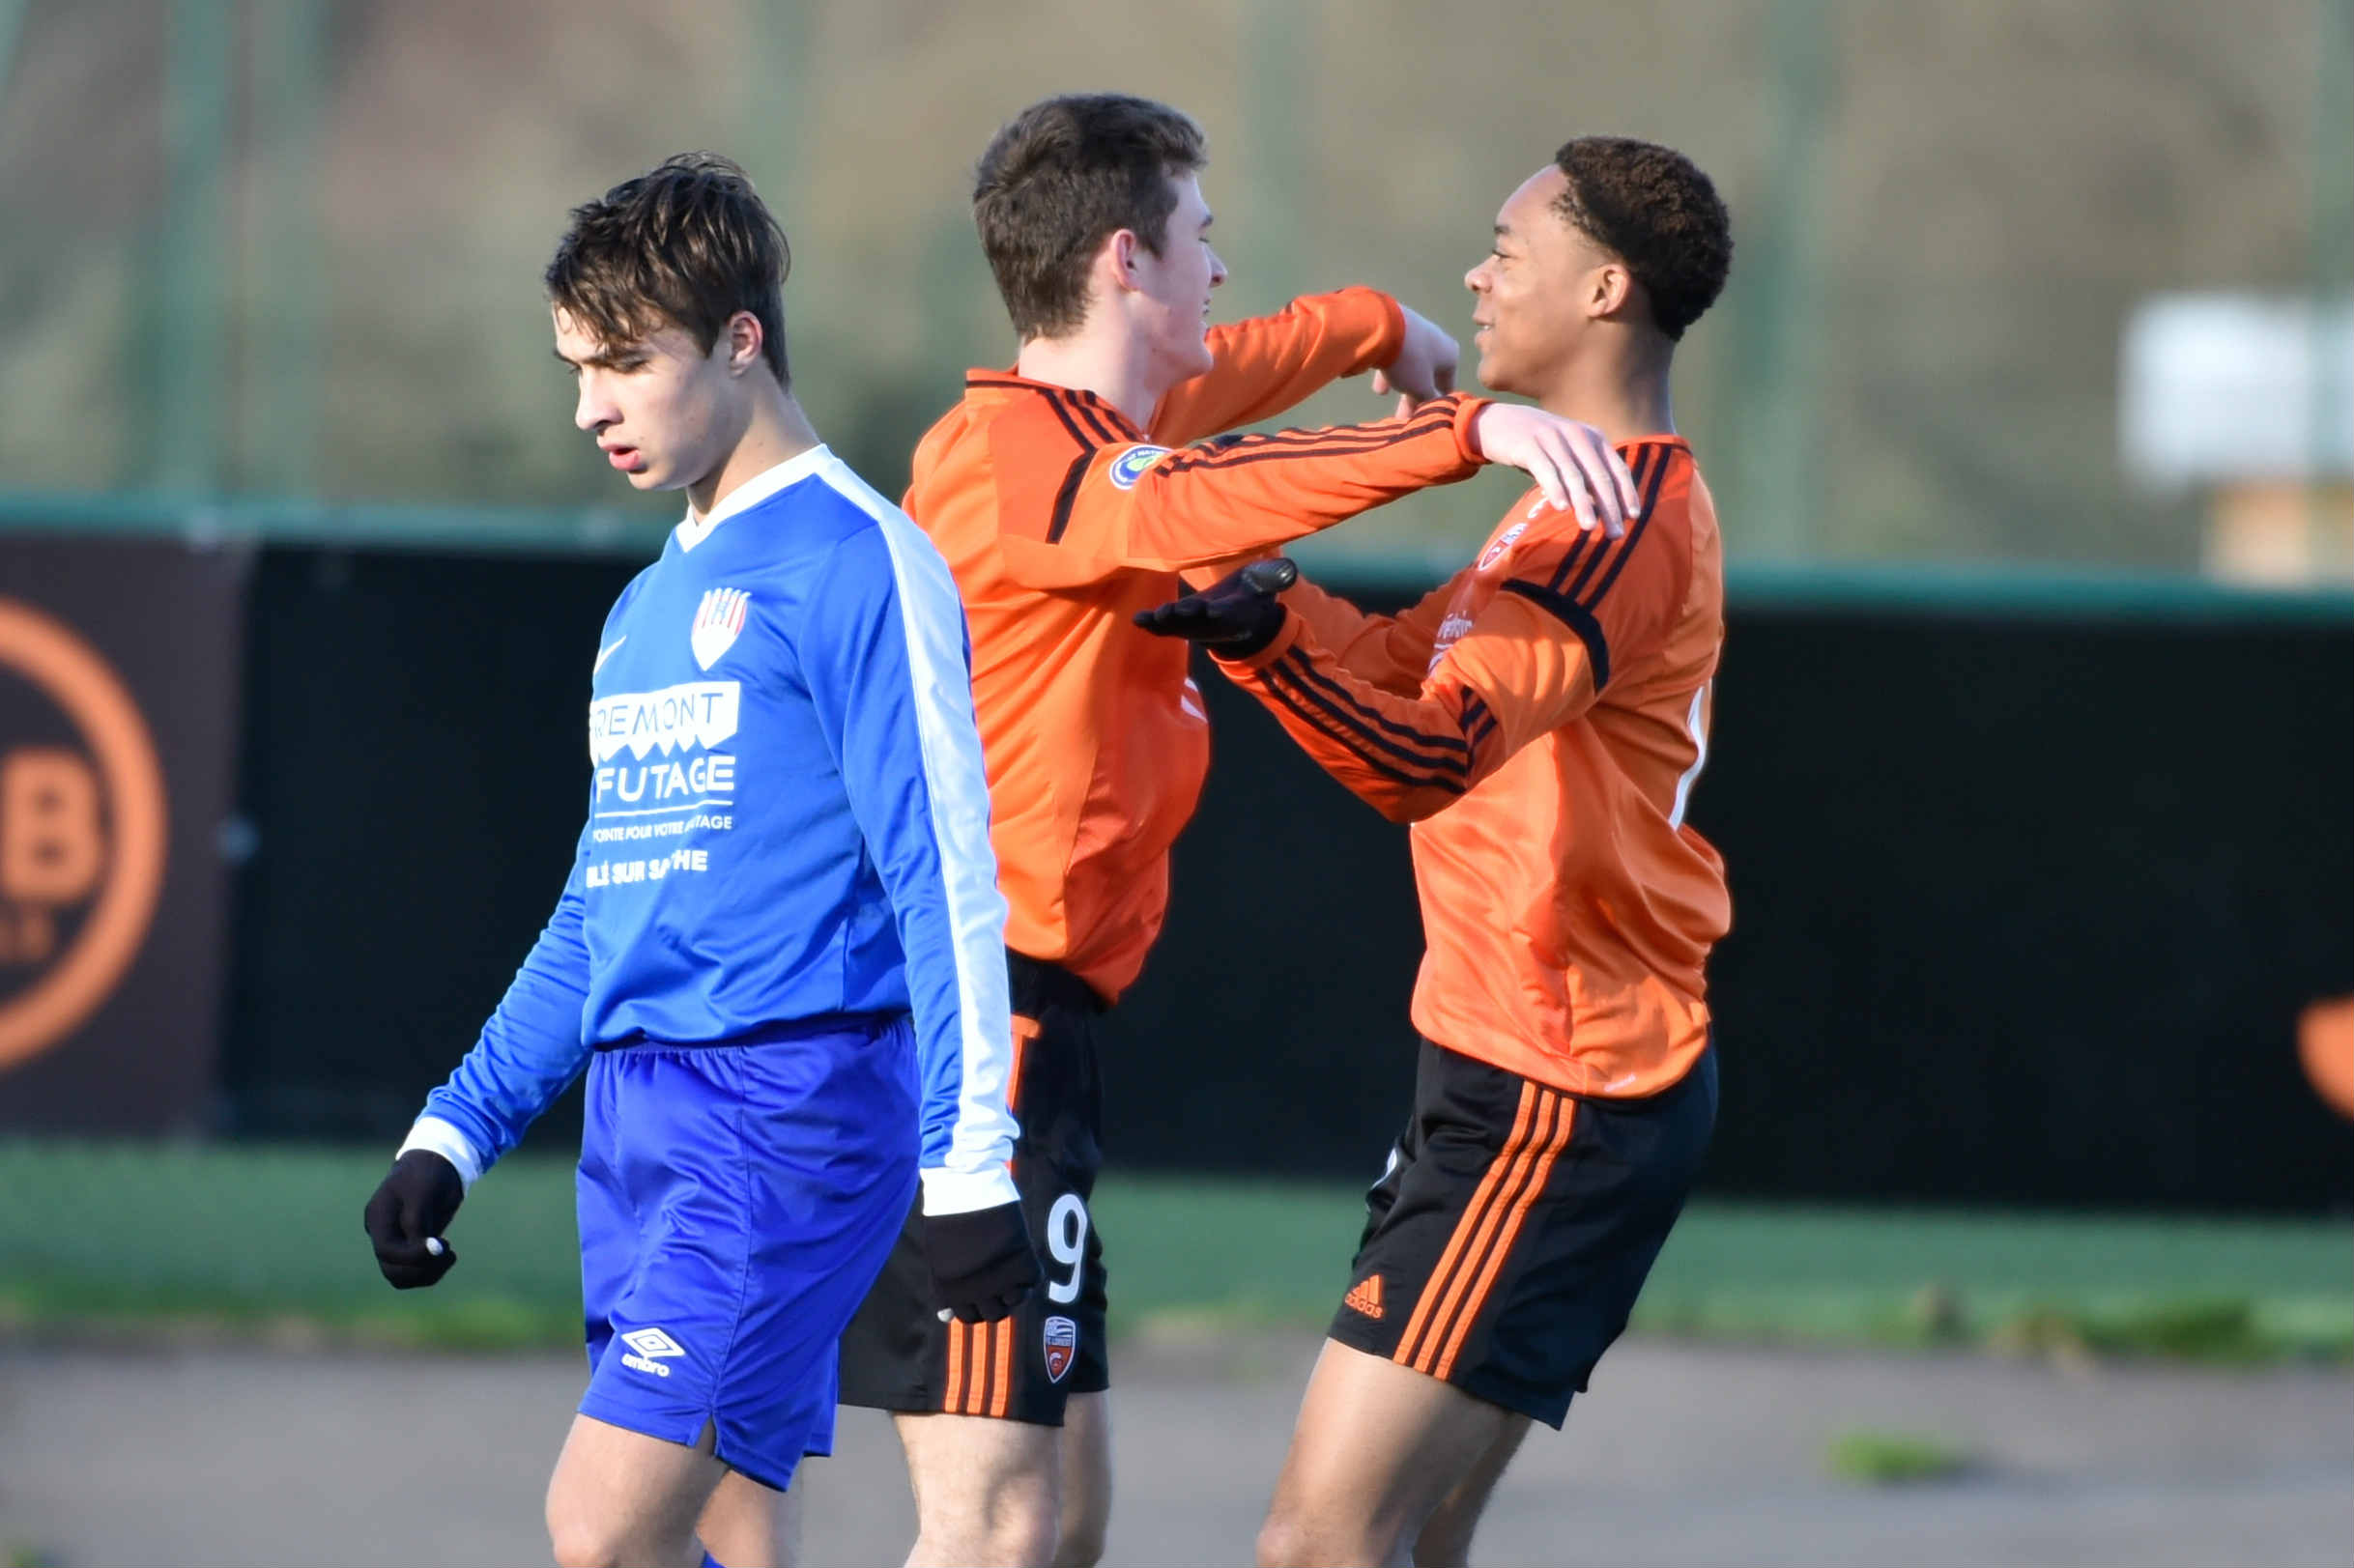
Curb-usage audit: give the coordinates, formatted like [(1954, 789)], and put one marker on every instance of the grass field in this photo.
[(246, 1242)]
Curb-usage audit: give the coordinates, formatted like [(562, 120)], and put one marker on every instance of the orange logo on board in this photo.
[(1365, 1296), (2325, 1043), (82, 832)]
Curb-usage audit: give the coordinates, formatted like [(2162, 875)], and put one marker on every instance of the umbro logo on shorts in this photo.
[(649, 1349), (1365, 1296)]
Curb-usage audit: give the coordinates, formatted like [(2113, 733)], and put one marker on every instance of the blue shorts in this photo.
[(735, 1204)]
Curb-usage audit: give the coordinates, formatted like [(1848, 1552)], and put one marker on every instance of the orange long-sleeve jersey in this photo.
[(1060, 519), (1539, 719)]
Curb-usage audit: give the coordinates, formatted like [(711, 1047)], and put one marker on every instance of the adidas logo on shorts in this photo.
[(1365, 1296), (649, 1349)]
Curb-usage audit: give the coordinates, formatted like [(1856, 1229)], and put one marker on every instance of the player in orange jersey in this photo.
[(1539, 719), (1065, 498)]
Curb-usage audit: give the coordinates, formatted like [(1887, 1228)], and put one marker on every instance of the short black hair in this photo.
[(689, 242), (1065, 175), (1651, 208)]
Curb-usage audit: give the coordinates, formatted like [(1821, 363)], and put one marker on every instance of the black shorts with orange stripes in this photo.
[(897, 1355), (1504, 1245)]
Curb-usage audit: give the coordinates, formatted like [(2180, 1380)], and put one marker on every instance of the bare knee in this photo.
[(1027, 1532), (1319, 1533), (1086, 1447), (1445, 1541), (1281, 1541), (1011, 1527), (1445, 1538), (987, 1492), (746, 1524), (1081, 1545), (1294, 1538), (609, 1538), (1004, 1533), (584, 1543)]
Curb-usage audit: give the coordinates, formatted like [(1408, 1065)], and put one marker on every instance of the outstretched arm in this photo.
[(1125, 505), (1393, 652), (1535, 658), (1262, 366)]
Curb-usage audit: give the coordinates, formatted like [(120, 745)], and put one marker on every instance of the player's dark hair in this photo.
[(687, 244), (1066, 175), (1653, 209)]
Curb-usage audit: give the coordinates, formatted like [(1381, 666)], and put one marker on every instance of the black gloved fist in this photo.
[(983, 1265), (1235, 616), (412, 1207)]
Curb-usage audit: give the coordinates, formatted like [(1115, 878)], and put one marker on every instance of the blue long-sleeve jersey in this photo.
[(788, 824)]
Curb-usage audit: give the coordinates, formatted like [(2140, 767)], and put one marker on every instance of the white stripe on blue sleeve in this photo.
[(973, 1173)]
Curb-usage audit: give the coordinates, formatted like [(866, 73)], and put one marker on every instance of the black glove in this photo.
[(412, 1207), (983, 1265), (1235, 616)]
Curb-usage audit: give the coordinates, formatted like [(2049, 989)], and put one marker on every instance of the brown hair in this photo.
[(1063, 177), (1653, 209), (690, 244)]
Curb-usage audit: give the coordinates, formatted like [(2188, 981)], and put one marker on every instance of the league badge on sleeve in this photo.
[(1133, 465), (719, 618)]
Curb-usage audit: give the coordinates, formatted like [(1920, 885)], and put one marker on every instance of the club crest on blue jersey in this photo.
[(1133, 463), (717, 620)]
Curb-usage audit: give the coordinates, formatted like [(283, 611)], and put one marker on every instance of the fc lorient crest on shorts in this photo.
[(717, 620), (1062, 1347)]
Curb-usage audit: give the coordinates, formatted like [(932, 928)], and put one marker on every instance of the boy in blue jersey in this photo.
[(780, 954)]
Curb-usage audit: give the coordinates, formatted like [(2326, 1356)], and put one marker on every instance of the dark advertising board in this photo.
[(2025, 906), (2026, 909), (118, 664)]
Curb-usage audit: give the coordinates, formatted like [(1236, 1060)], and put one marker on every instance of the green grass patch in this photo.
[(264, 1243), (1874, 1458), (2205, 1289)]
